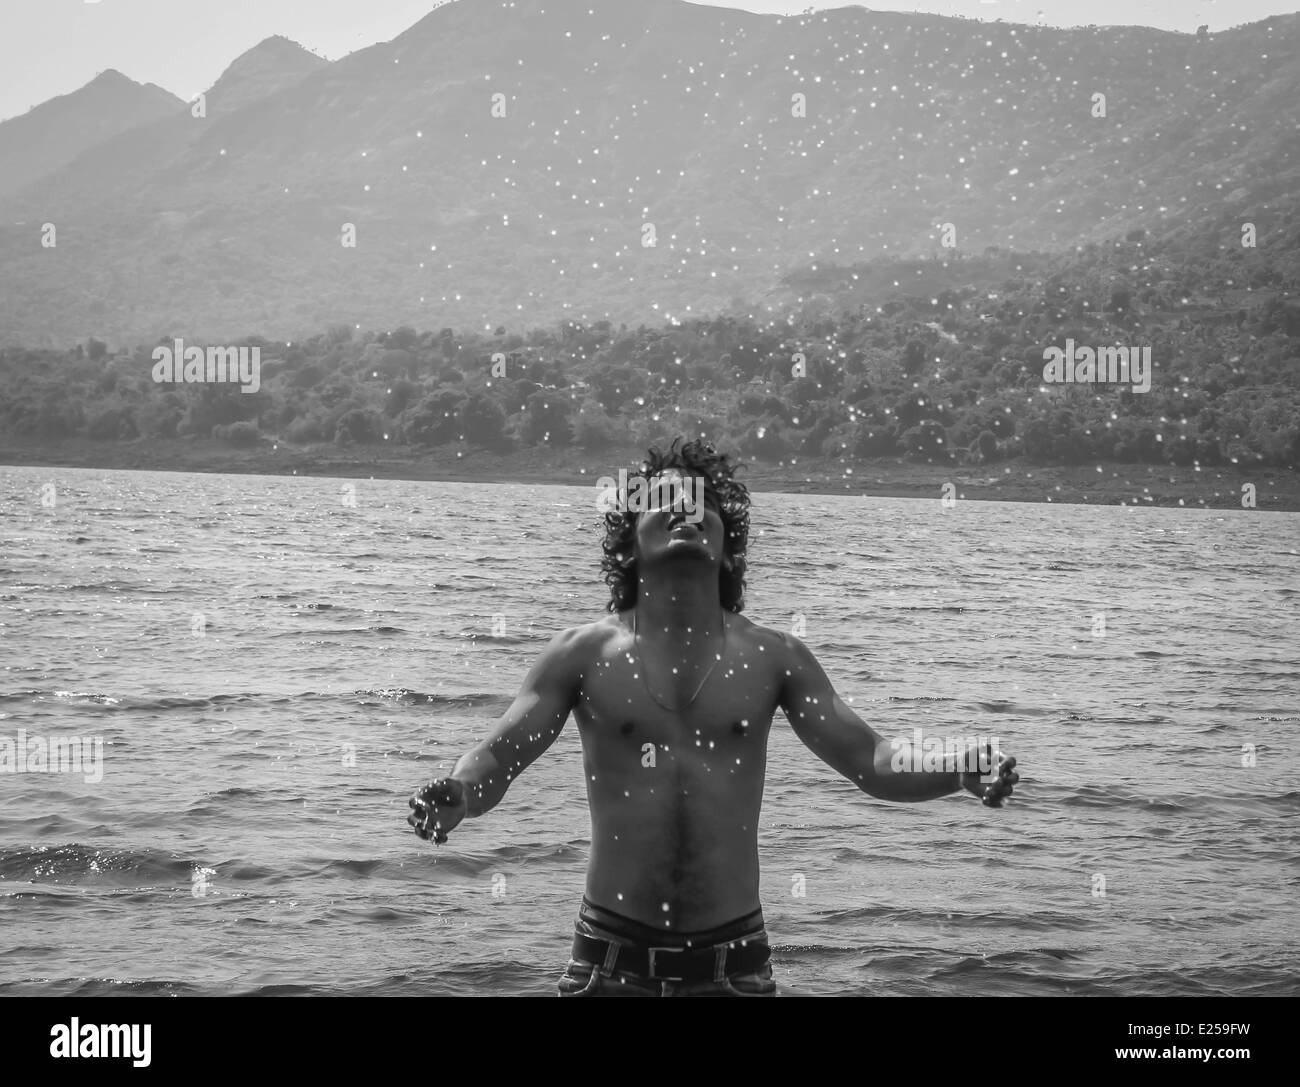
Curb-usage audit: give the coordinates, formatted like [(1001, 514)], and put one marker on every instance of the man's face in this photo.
[(690, 527)]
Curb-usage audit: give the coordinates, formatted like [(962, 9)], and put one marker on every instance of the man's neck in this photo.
[(680, 607)]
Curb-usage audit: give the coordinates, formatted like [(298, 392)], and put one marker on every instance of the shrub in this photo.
[(765, 440), (306, 430), (356, 426), (926, 441), (434, 420), (873, 439), (483, 422), (546, 419), (242, 434), (159, 420), (399, 397), (113, 424), (594, 429)]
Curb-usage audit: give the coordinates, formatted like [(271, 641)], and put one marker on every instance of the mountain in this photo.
[(49, 136), (267, 68), (618, 122), (114, 172)]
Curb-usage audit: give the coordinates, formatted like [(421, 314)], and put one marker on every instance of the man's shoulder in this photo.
[(768, 639), (783, 648), (583, 638)]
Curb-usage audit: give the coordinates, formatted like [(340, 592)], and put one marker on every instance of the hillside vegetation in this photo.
[(869, 366)]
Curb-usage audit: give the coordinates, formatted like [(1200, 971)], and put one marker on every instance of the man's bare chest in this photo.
[(624, 701)]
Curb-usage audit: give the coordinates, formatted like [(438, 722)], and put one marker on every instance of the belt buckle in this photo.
[(653, 951)]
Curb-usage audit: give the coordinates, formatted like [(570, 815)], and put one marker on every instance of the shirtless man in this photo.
[(674, 694)]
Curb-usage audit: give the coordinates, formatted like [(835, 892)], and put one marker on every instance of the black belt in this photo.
[(673, 963)]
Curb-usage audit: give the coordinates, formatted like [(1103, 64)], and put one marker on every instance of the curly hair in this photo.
[(694, 458)]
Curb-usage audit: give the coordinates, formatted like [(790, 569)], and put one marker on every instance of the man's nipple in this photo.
[(626, 728)]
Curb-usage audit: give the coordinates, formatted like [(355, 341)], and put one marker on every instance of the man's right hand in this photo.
[(438, 808)]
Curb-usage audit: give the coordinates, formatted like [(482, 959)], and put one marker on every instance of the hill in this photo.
[(50, 136), (745, 146)]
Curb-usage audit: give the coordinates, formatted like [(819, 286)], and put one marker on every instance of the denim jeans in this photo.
[(591, 979)]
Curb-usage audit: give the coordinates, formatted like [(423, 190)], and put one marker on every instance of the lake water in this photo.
[(273, 664)]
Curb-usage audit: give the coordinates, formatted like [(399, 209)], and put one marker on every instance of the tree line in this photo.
[(937, 359)]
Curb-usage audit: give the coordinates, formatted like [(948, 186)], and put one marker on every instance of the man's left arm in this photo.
[(846, 743)]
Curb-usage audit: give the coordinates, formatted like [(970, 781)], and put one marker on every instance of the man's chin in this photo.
[(687, 547)]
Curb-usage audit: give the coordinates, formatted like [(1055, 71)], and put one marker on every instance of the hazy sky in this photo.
[(51, 47)]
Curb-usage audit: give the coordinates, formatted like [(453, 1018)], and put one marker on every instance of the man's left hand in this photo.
[(992, 793)]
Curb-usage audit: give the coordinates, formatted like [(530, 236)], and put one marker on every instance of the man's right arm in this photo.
[(528, 727)]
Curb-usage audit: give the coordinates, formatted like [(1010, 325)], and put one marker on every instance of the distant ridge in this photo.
[(116, 169), (49, 136), (511, 160), (268, 67)]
